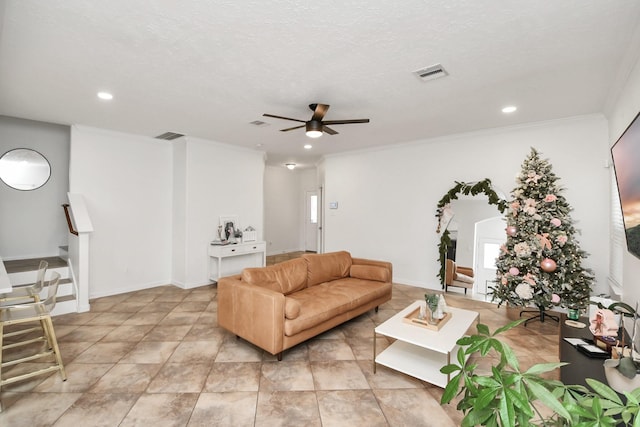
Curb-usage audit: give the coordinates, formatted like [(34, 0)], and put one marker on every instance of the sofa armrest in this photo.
[(251, 312), (384, 264)]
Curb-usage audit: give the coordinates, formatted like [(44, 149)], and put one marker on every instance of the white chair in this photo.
[(24, 313)]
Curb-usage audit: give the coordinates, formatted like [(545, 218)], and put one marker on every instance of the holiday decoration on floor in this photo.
[(540, 265)]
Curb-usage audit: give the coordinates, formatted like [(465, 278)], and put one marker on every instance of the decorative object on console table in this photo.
[(249, 235), (229, 224)]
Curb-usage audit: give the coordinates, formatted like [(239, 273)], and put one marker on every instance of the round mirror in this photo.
[(24, 169)]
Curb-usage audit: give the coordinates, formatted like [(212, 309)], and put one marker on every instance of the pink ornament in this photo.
[(555, 298), (548, 265), (514, 271), (556, 222), (511, 230)]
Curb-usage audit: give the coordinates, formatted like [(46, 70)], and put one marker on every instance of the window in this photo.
[(313, 209)]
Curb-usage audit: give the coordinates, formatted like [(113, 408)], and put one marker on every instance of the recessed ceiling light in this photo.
[(308, 146), (291, 166), (105, 95), (509, 109)]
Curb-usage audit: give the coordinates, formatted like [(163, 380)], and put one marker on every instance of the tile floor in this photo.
[(157, 357)]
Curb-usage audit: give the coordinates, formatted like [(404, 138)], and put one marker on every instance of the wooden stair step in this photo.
[(22, 265)]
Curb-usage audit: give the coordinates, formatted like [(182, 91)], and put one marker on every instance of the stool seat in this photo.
[(28, 293)]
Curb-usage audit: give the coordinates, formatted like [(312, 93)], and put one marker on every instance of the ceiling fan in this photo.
[(316, 125)]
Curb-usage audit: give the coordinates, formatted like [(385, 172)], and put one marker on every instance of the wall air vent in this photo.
[(430, 73), (169, 136)]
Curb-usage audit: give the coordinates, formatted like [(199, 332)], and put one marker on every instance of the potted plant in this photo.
[(507, 396)]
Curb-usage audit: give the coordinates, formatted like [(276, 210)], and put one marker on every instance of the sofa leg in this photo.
[(465, 291), (376, 308), (279, 356)]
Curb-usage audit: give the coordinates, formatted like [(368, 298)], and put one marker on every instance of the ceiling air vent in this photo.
[(169, 136), (259, 123), (430, 73)]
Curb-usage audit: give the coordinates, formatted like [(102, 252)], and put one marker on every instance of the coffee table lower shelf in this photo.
[(416, 361)]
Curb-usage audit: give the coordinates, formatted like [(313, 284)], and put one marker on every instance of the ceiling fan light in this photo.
[(314, 129)]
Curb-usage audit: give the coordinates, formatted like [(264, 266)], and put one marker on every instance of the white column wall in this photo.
[(387, 198), (126, 181)]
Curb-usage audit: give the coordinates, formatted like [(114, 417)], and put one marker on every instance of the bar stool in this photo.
[(23, 313), (29, 293)]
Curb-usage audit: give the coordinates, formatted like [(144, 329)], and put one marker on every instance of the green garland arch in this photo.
[(465, 188)]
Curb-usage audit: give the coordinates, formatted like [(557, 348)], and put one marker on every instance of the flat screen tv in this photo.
[(626, 162)]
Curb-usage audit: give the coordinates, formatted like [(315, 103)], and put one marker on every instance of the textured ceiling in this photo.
[(207, 68)]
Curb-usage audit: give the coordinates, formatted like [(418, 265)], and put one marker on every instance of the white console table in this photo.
[(251, 254)]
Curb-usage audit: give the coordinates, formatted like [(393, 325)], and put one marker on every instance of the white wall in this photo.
[(387, 198), (220, 180), (126, 181), (284, 201), (32, 223), (624, 111)]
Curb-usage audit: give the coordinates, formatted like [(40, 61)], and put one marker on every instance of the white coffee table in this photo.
[(421, 352)]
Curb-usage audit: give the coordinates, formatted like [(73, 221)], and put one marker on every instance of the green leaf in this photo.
[(461, 357), (507, 413), (485, 397), (603, 390), (449, 369), (543, 367), (451, 390), (509, 326), (520, 401), (487, 382), (543, 395), (483, 329), (510, 357), (631, 398)]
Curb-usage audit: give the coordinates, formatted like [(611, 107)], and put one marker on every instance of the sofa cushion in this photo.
[(327, 300), (323, 268), (291, 308), (463, 278), (370, 272), (285, 277)]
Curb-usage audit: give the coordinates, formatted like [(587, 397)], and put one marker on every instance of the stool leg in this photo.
[(51, 337)]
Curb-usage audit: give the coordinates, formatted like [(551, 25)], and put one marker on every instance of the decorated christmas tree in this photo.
[(541, 262)]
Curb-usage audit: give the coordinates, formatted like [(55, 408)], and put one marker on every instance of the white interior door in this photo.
[(311, 221), (489, 235)]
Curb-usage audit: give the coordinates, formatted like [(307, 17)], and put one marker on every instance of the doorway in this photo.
[(489, 235), (311, 220)]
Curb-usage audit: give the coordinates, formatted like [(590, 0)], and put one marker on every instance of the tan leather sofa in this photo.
[(279, 306), (454, 275)]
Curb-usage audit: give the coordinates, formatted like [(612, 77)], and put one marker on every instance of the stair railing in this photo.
[(69, 223)]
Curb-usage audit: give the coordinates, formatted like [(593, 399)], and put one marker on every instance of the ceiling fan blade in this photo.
[(283, 118), (328, 130), (344, 122), (319, 111), (295, 127)]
